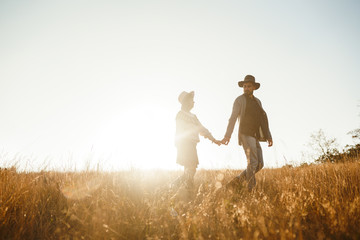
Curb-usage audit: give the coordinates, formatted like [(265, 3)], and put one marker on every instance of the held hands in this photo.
[(225, 141), (217, 142)]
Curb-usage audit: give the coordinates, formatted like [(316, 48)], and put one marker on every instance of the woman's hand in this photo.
[(217, 142)]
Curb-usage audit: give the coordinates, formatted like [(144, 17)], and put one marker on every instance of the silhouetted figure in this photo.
[(188, 128), (253, 127)]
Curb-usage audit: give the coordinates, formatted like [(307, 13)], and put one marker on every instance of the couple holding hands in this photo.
[(253, 127)]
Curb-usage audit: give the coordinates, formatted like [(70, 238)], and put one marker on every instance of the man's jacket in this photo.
[(238, 112)]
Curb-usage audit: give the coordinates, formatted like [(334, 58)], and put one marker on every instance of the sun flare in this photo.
[(140, 137)]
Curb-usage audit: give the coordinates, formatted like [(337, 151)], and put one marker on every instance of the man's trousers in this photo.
[(254, 158)]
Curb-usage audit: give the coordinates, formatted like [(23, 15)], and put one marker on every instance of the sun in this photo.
[(140, 137)]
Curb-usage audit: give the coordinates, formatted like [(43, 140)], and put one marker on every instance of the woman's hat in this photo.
[(185, 95), (249, 78)]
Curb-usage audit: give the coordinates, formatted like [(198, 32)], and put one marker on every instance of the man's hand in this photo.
[(225, 140), (270, 142)]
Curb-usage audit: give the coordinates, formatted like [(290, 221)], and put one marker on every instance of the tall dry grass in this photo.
[(313, 202)]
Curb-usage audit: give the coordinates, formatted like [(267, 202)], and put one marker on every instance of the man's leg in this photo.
[(237, 180), (259, 156), (242, 176), (251, 152)]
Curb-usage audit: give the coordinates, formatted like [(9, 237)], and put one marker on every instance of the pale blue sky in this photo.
[(99, 80)]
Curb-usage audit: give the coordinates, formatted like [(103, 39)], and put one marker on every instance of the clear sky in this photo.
[(83, 82)]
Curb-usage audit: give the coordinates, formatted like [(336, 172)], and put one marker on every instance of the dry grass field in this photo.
[(310, 202)]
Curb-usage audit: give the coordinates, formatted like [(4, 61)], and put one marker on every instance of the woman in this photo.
[(188, 128)]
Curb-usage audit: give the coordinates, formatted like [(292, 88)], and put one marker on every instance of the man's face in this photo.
[(248, 88)]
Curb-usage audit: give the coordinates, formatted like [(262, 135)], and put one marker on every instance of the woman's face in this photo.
[(189, 104)]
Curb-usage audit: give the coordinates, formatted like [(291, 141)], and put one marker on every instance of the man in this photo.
[(253, 127)]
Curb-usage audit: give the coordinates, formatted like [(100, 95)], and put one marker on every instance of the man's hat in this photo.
[(249, 78), (185, 95)]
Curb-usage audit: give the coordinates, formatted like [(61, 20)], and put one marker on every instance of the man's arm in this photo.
[(266, 129), (265, 125), (232, 120)]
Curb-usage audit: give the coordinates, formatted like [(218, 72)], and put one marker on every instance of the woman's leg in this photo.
[(189, 173)]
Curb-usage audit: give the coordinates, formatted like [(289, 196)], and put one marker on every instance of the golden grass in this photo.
[(313, 202)]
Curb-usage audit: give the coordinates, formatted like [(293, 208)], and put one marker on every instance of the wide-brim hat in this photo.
[(185, 96), (249, 78)]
